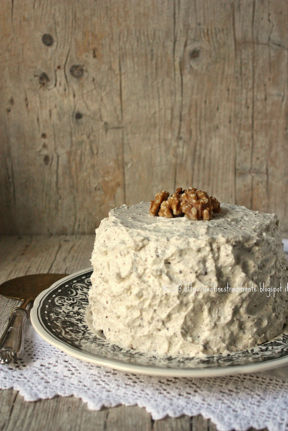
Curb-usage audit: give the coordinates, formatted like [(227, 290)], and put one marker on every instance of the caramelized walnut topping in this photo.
[(215, 205), (156, 203), (174, 202), (193, 203), (165, 210)]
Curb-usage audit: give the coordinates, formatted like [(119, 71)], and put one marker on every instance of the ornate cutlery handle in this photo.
[(11, 342)]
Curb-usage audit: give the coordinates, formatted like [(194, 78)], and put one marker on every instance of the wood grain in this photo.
[(105, 102)]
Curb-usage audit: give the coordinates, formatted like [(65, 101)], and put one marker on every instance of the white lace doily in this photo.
[(238, 402), (259, 400)]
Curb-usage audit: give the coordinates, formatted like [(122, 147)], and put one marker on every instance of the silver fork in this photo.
[(7, 356), (12, 340)]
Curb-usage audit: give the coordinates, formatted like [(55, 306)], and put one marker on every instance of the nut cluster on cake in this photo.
[(195, 204)]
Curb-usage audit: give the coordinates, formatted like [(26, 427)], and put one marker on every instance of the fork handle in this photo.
[(11, 342)]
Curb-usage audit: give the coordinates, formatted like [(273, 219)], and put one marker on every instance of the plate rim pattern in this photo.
[(156, 370)]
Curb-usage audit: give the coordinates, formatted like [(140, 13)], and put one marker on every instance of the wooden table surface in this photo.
[(66, 254), (119, 98)]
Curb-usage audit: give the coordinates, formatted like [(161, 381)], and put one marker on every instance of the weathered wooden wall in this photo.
[(107, 101)]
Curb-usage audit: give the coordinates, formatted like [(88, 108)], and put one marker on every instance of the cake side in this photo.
[(155, 281)]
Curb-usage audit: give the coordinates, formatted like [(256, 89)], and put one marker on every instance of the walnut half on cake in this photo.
[(195, 204), (175, 286)]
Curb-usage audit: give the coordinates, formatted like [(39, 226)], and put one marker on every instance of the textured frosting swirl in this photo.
[(140, 263)]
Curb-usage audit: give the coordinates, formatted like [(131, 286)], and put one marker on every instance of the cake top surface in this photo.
[(233, 220)]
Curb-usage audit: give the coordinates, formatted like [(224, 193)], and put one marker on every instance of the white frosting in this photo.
[(156, 281)]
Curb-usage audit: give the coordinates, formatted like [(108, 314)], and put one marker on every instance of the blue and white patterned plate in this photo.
[(58, 315)]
